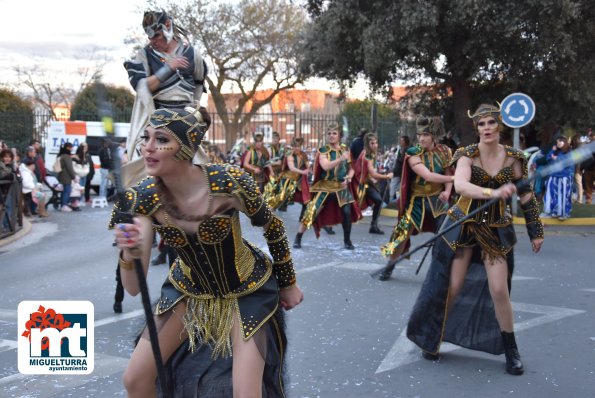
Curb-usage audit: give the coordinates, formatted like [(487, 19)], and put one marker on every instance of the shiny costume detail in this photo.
[(291, 186), (184, 87), (471, 320), (217, 271), (492, 228), (362, 180), (258, 158), (327, 182), (419, 205)]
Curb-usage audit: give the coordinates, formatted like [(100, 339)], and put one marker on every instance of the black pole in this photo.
[(146, 301), (423, 259)]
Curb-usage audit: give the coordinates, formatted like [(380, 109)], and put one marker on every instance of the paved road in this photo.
[(346, 339)]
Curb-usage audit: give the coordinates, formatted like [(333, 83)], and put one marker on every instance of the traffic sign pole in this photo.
[(517, 110)]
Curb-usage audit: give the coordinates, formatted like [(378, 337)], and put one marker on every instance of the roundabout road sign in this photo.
[(517, 110)]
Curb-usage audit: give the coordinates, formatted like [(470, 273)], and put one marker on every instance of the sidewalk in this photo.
[(18, 235), (581, 215)]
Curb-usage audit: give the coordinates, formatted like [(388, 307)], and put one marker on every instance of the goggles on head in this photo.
[(153, 22)]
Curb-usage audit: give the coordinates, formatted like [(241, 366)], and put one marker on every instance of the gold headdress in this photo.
[(185, 125), (430, 125), (485, 110)]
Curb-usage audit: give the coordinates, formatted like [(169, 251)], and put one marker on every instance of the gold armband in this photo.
[(127, 265), (487, 192)]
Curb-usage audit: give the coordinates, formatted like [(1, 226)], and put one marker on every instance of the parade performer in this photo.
[(168, 72), (426, 184), (223, 293), (256, 161), (465, 298), (293, 179), (365, 179), (276, 153), (332, 202), (273, 188)]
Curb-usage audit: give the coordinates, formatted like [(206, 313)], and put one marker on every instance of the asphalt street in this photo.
[(346, 339)]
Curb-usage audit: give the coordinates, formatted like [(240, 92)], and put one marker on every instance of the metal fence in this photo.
[(19, 129)]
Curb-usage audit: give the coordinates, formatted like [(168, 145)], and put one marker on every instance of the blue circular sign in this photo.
[(517, 110)]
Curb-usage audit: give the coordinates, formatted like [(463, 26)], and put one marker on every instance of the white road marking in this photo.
[(523, 278), (8, 315), (316, 267), (48, 385), (404, 352), (368, 266), (7, 345), (588, 290), (121, 317)]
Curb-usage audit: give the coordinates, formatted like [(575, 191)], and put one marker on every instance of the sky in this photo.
[(58, 35)]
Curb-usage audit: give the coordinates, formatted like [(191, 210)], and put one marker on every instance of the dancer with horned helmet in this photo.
[(256, 161), (465, 298), (293, 179), (426, 184), (223, 294), (365, 179), (332, 202)]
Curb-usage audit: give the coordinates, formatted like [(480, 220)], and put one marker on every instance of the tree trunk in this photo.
[(461, 94)]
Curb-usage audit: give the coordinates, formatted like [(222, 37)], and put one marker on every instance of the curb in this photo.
[(22, 232), (585, 221)]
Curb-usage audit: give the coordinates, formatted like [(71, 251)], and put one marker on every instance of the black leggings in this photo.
[(346, 214), (373, 194)]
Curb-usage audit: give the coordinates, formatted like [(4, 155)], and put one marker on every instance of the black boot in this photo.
[(375, 230), (329, 230), (386, 273), (118, 307), (297, 244), (514, 366), (346, 223), (429, 356)]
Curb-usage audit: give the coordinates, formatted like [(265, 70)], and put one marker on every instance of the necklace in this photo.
[(170, 207)]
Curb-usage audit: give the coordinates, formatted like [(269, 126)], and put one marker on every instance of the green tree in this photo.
[(85, 104), (16, 120), (358, 115), (249, 46), (479, 50)]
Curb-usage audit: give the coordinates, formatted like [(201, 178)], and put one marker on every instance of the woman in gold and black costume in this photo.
[(465, 298), (222, 293)]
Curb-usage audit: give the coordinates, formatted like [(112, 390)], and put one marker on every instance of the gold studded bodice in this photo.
[(214, 260), (499, 214)]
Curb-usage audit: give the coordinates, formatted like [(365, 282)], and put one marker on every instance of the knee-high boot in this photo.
[(374, 225), (514, 366), (346, 223), (297, 243)]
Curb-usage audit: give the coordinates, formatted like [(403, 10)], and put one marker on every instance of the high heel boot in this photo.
[(297, 244), (514, 366)]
